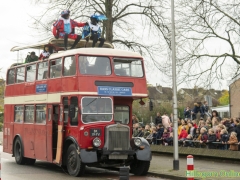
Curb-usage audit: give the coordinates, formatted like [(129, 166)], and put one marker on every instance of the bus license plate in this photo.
[(95, 132)]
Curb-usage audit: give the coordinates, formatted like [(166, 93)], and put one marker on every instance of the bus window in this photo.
[(55, 68), (96, 109), (41, 114), (128, 67), (94, 65), (20, 75), (42, 70), (74, 101), (11, 76), (121, 114), (29, 114), (18, 114), (69, 66), (31, 73)]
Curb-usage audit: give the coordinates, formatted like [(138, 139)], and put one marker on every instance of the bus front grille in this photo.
[(117, 137)]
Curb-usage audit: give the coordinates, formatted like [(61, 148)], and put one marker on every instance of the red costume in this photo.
[(183, 134), (64, 28), (58, 28)]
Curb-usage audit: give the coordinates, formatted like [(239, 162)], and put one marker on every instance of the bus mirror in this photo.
[(150, 105), (72, 111)]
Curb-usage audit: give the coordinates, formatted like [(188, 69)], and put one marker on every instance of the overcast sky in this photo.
[(16, 31)]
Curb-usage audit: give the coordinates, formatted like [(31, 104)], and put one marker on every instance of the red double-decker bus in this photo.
[(74, 109)]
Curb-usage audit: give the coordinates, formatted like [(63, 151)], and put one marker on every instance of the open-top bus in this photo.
[(74, 109)]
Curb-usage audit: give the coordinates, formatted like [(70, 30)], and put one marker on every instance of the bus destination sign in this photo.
[(114, 91), (41, 88)]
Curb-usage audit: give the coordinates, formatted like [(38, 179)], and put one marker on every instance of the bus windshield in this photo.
[(94, 65), (96, 109), (121, 114), (128, 67)]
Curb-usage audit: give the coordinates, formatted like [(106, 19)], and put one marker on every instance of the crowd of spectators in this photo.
[(211, 131)]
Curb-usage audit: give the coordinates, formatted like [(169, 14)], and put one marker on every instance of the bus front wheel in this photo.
[(140, 168), (18, 152), (74, 163)]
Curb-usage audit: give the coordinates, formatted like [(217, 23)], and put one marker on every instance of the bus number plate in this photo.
[(95, 132)]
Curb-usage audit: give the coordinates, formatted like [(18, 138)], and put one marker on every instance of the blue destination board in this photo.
[(41, 88), (114, 91)]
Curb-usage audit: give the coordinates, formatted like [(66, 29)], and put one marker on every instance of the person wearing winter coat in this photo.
[(158, 119), (197, 109), (165, 135), (224, 139), (237, 130), (233, 142), (192, 129), (183, 135), (187, 113), (211, 138), (160, 131), (204, 137)]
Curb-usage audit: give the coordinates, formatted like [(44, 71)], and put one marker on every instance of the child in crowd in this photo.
[(197, 135), (204, 137), (183, 123), (211, 139), (209, 124), (165, 136), (224, 139), (188, 141), (169, 140), (160, 130), (154, 136), (183, 135), (233, 142), (194, 124), (192, 129), (146, 131)]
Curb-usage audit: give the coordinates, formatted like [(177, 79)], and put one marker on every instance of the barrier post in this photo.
[(190, 168)]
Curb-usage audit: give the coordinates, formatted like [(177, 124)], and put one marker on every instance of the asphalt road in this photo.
[(47, 171)]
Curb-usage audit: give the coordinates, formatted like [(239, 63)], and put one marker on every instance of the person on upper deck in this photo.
[(31, 58), (64, 28), (45, 53), (92, 30)]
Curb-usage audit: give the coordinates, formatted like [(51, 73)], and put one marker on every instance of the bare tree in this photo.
[(208, 40), (138, 25)]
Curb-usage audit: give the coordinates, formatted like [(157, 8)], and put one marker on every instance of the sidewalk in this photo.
[(163, 166)]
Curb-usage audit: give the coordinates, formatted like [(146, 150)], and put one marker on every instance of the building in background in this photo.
[(234, 94)]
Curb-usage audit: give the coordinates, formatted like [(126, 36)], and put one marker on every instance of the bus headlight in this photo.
[(137, 142), (96, 142)]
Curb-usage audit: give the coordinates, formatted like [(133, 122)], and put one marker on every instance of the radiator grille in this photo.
[(118, 138)]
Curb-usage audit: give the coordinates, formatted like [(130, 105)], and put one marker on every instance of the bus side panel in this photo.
[(30, 88), (6, 131), (40, 141), (55, 85), (18, 129), (28, 141), (19, 89)]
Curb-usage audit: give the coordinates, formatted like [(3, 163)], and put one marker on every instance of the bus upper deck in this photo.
[(91, 71)]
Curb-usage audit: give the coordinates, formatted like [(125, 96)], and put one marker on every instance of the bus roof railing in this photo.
[(58, 44)]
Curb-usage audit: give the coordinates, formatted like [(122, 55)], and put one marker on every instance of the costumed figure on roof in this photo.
[(93, 31), (64, 28)]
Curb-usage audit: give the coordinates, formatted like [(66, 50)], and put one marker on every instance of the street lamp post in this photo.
[(174, 84)]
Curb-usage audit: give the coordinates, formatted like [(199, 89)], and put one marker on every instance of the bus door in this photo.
[(40, 139), (60, 133), (49, 122)]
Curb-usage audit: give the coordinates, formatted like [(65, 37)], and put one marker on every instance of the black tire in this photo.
[(140, 168), (30, 161), (18, 152), (74, 163)]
